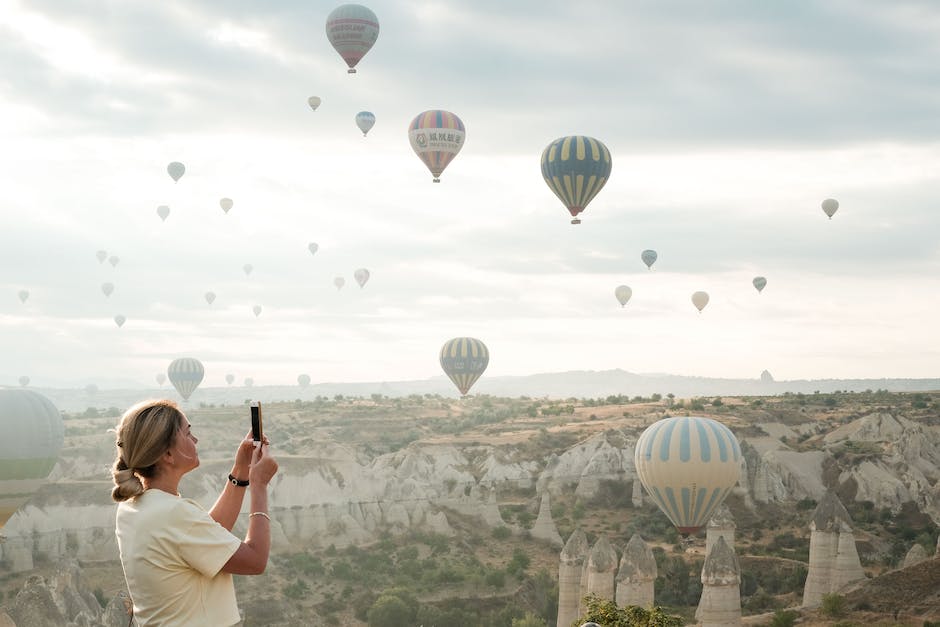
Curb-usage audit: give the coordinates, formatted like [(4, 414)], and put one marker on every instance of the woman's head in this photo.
[(146, 432)]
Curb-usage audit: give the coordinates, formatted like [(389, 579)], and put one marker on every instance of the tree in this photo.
[(529, 620), (390, 611), (607, 613)]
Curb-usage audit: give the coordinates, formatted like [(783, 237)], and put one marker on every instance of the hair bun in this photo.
[(127, 485)]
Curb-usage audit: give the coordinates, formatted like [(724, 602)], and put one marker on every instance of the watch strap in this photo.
[(238, 482)]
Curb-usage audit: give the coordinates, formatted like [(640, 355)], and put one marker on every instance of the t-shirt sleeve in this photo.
[(203, 543)]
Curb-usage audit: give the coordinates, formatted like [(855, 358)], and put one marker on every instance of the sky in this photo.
[(728, 123)]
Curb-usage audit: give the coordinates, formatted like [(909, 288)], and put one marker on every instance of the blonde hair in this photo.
[(145, 433)]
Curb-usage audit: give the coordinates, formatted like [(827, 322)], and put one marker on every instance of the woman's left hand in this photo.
[(243, 456)]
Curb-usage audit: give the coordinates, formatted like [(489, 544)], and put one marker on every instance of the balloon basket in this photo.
[(575, 221), (435, 180), (351, 70)]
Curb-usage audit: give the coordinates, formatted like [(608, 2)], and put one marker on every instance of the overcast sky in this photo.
[(728, 124)]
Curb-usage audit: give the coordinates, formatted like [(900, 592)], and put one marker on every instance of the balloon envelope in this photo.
[(352, 30), (248, 268), (759, 283), (101, 255), (257, 310), (119, 320), (313, 247), (91, 389), (32, 438), (303, 380), (362, 275), (314, 102), (113, 260), (365, 120), (161, 378), (163, 211), (249, 382), (185, 374), (700, 299), (23, 295), (24, 381), (688, 465), (107, 288), (576, 168), (226, 204), (176, 170), (210, 297), (830, 206), (339, 282), (230, 378), (464, 359), (649, 257), (436, 137), (623, 294)]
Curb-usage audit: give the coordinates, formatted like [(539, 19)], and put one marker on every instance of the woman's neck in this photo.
[(168, 484)]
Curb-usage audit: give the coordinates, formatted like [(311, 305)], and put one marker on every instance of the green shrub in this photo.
[(784, 618), (833, 605)]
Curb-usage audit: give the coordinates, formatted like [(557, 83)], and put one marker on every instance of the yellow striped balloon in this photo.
[(688, 465), (186, 374), (576, 168), (464, 359)]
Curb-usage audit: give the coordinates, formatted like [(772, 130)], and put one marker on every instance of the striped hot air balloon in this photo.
[(186, 374), (688, 465), (576, 168), (436, 137), (32, 437), (464, 359), (352, 30)]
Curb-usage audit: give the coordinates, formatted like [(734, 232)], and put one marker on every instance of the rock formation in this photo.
[(916, 555), (571, 564), (637, 574), (544, 527), (637, 496), (720, 605), (833, 557), (601, 570), (721, 525)]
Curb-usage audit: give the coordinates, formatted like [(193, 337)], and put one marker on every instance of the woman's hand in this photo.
[(243, 456), (263, 466)]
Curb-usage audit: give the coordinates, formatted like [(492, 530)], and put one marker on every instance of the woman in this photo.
[(178, 558)]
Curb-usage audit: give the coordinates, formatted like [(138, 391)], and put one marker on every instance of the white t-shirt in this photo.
[(172, 552)]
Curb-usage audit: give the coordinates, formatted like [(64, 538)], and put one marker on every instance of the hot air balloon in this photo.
[(113, 260), (303, 380), (226, 204), (101, 255), (352, 30), (185, 374), (107, 289), (249, 382), (24, 381), (830, 206), (119, 320), (759, 283), (576, 168), (257, 310), (313, 247), (230, 379), (210, 297), (23, 295), (339, 282), (649, 257), (161, 378), (362, 275), (700, 299), (32, 438), (464, 359), (365, 120), (314, 102), (163, 211), (436, 137), (176, 170), (248, 268), (688, 465), (91, 389), (623, 294)]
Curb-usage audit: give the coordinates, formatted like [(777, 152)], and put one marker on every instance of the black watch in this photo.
[(238, 482)]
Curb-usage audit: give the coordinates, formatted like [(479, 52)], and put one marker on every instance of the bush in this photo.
[(501, 533), (833, 605), (784, 618)]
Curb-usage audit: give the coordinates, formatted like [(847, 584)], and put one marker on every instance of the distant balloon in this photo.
[(313, 247), (352, 30), (362, 275), (576, 168), (623, 294), (365, 120), (210, 297), (339, 282), (186, 374), (101, 255), (24, 381), (24, 295), (759, 283), (248, 268), (436, 137), (700, 299), (176, 170), (688, 465), (107, 288), (226, 204), (249, 382), (303, 380), (314, 102), (257, 310), (119, 320), (464, 359), (32, 438), (161, 378), (91, 389), (830, 206), (163, 211), (649, 257), (113, 260), (230, 379)]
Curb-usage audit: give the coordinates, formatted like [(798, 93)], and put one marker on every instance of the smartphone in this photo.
[(257, 433)]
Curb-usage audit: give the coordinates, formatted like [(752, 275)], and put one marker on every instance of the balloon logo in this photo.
[(623, 294), (161, 378), (830, 206), (119, 320), (436, 137), (163, 211), (303, 380), (464, 359), (361, 275), (352, 30), (113, 260), (759, 283), (101, 255), (32, 438), (313, 247), (576, 168), (365, 120), (23, 295), (107, 289), (339, 282), (649, 257), (226, 204), (24, 381), (688, 465), (257, 310), (700, 299), (248, 268), (176, 170), (185, 374), (230, 379), (314, 102), (210, 297)]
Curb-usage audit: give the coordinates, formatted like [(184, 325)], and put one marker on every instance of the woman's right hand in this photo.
[(263, 466)]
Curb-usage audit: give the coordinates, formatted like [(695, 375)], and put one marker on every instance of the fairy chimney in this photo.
[(720, 605), (571, 563), (637, 574), (720, 525), (602, 570), (833, 557)]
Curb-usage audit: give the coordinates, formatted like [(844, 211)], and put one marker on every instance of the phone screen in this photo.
[(257, 433)]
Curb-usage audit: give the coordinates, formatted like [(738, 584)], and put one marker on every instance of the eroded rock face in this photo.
[(60, 601)]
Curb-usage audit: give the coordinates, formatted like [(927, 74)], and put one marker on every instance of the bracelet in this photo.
[(260, 514), (238, 482)]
